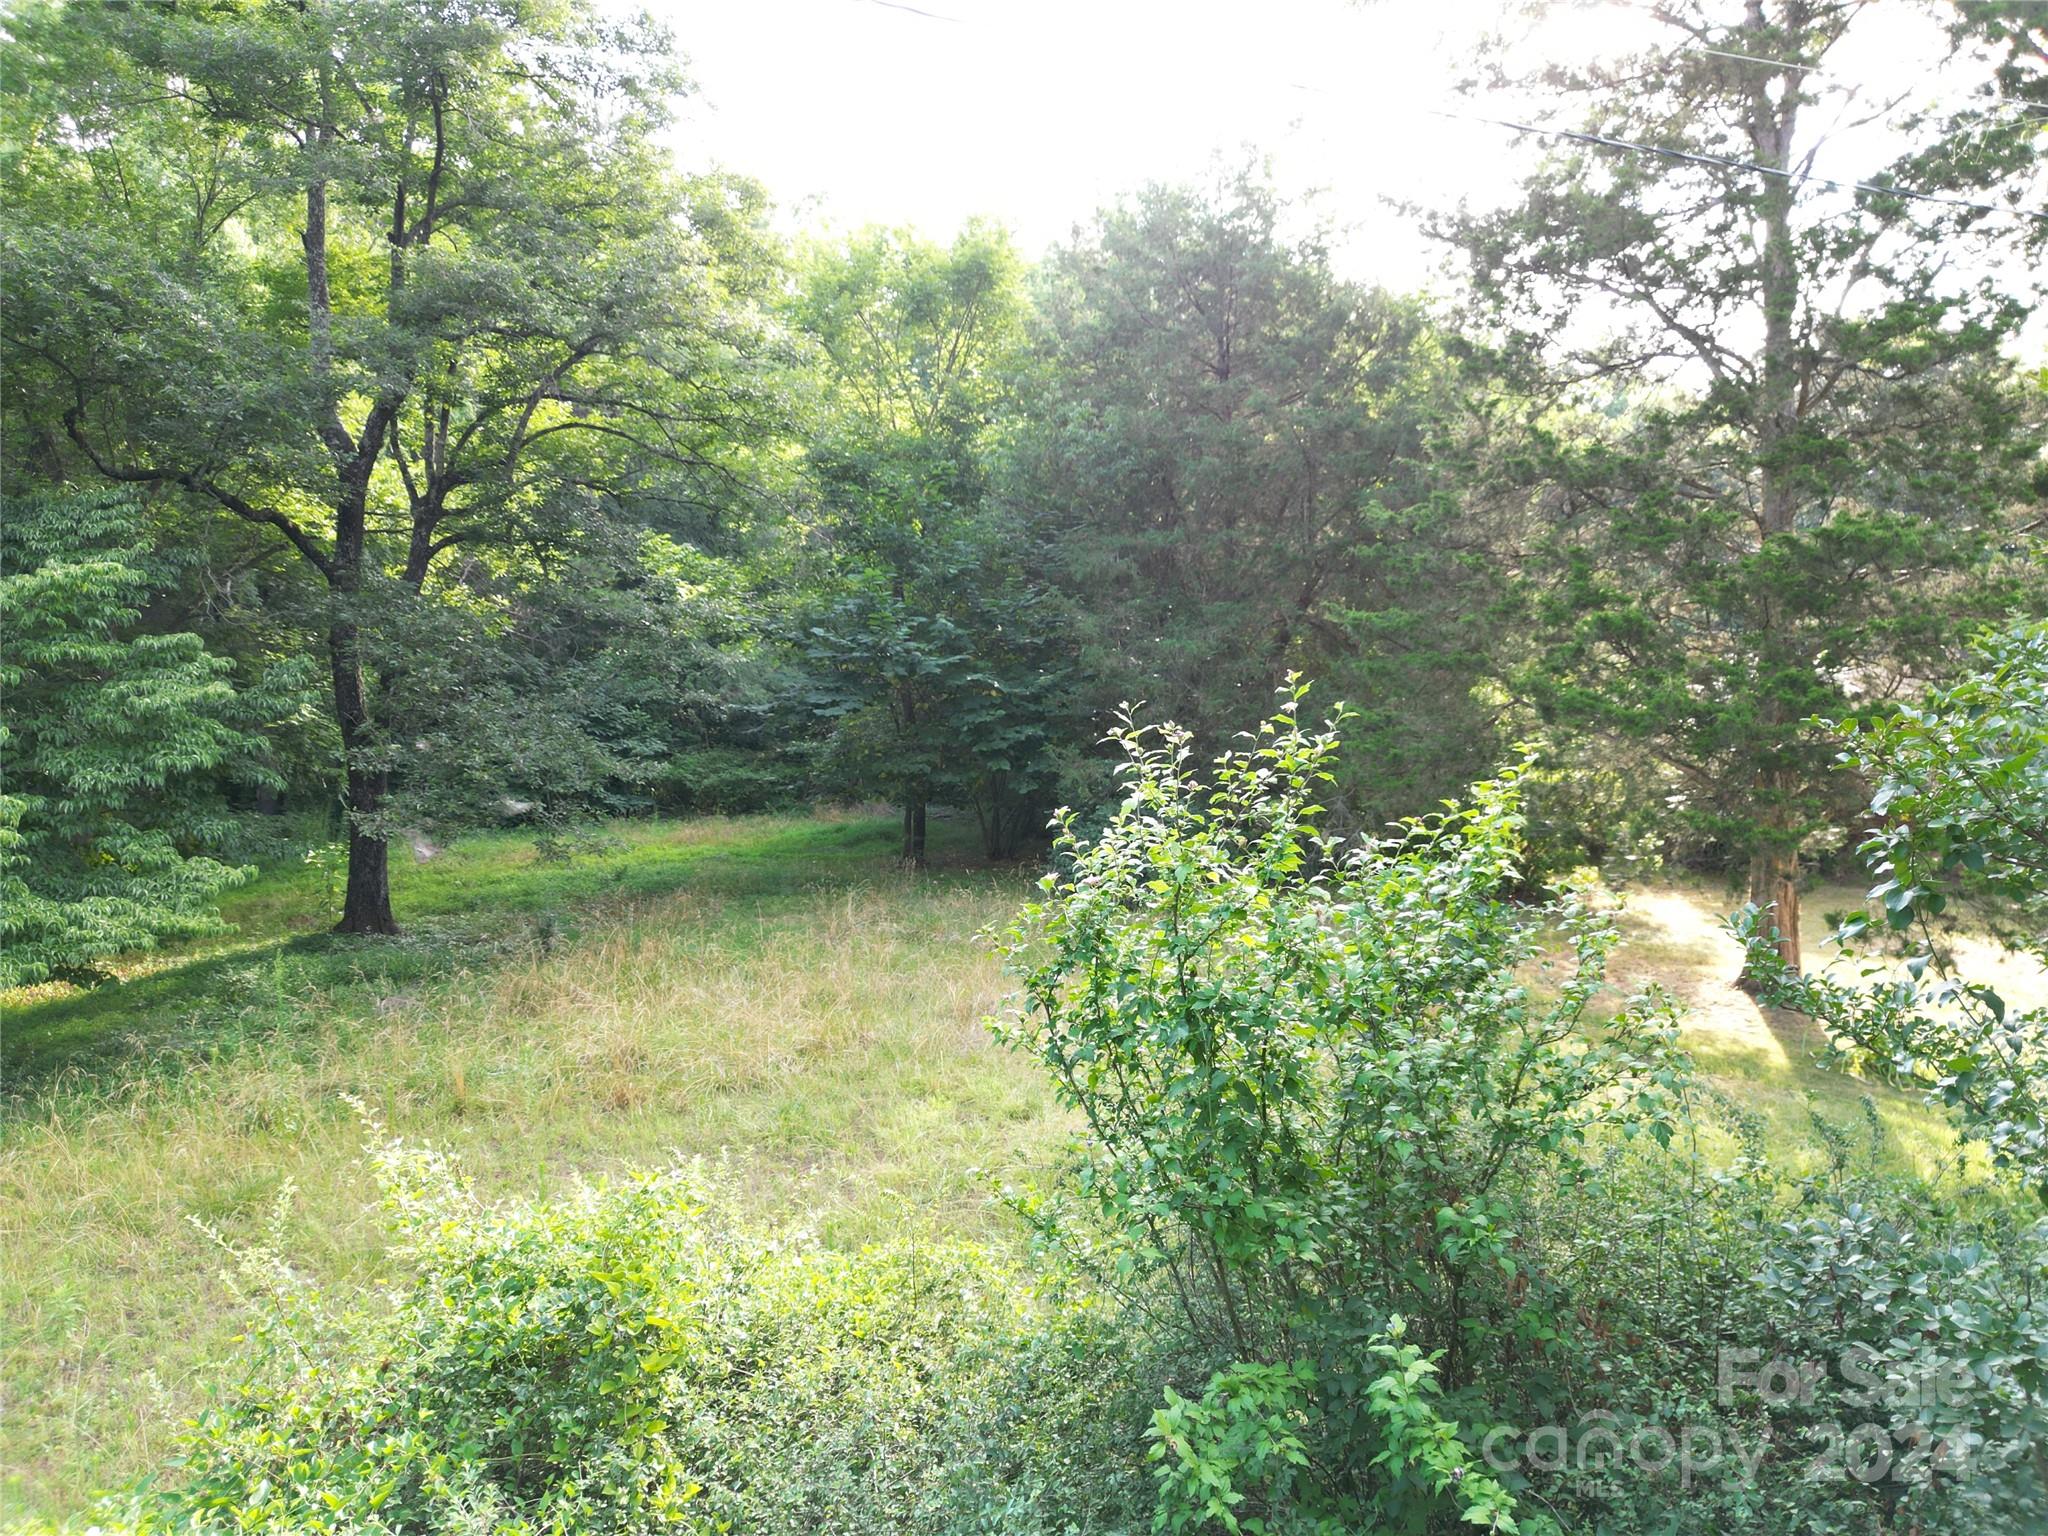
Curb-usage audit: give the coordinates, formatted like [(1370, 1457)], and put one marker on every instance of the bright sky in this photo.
[(1036, 112)]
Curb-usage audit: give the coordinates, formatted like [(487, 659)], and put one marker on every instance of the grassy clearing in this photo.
[(1764, 1058), (772, 991)]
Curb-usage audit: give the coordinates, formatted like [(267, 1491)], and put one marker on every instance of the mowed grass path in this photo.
[(772, 991)]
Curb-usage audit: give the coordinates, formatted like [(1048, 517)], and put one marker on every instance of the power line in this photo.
[(1828, 74), (1725, 163), (897, 5), (1751, 58)]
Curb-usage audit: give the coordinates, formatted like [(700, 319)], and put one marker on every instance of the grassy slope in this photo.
[(769, 989), (1766, 1059)]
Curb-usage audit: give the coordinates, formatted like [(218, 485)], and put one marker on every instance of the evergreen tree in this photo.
[(1228, 457), (1808, 436)]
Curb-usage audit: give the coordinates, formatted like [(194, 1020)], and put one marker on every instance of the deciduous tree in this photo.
[(390, 280), (110, 829)]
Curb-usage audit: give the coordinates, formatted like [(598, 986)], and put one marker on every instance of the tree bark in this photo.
[(366, 904), (1774, 887), (366, 901), (1774, 859)]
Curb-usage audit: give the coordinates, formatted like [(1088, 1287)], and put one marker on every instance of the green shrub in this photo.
[(1370, 1137), (112, 827), (1316, 1076), (620, 1362), (731, 781)]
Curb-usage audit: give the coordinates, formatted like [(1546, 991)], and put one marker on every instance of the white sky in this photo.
[(1036, 112)]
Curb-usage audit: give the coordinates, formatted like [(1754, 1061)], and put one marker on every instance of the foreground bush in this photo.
[(1319, 1089), (618, 1362), (1374, 1141)]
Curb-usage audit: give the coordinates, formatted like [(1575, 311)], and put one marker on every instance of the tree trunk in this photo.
[(1774, 863), (366, 907), (1774, 888), (913, 831)]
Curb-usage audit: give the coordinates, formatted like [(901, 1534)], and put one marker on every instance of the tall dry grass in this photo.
[(827, 1044)]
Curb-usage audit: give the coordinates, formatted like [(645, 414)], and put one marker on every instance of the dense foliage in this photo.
[(625, 1360), (1355, 1135), (1239, 462), (1757, 483), (109, 823), (397, 440), (575, 480), (1312, 1076), (1961, 808), (406, 289)]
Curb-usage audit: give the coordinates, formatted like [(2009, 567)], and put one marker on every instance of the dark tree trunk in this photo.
[(366, 907), (1001, 817)]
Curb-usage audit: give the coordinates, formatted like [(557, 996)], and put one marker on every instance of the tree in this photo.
[(387, 280), (1961, 808), (111, 818), (934, 657), (1228, 456), (1803, 428)]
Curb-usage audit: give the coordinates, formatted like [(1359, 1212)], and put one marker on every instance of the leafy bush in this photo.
[(1316, 1077), (1961, 805), (617, 1362), (111, 825), (731, 781), (1368, 1134)]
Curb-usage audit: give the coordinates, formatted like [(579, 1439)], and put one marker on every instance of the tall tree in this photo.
[(934, 657), (1807, 425), (1228, 454), (388, 279)]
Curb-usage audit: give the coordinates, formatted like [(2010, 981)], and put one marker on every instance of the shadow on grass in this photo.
[(483, 900)]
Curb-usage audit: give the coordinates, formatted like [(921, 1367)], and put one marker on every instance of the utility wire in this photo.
[(897, 5), (1751, 58), (1826, 74), (1725, 163)]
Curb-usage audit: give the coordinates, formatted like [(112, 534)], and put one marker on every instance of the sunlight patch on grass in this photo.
[(1766, 1059)]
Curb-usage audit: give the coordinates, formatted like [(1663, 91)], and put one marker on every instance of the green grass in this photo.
[(1767, 1060), (464, 905), (771, 991)]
